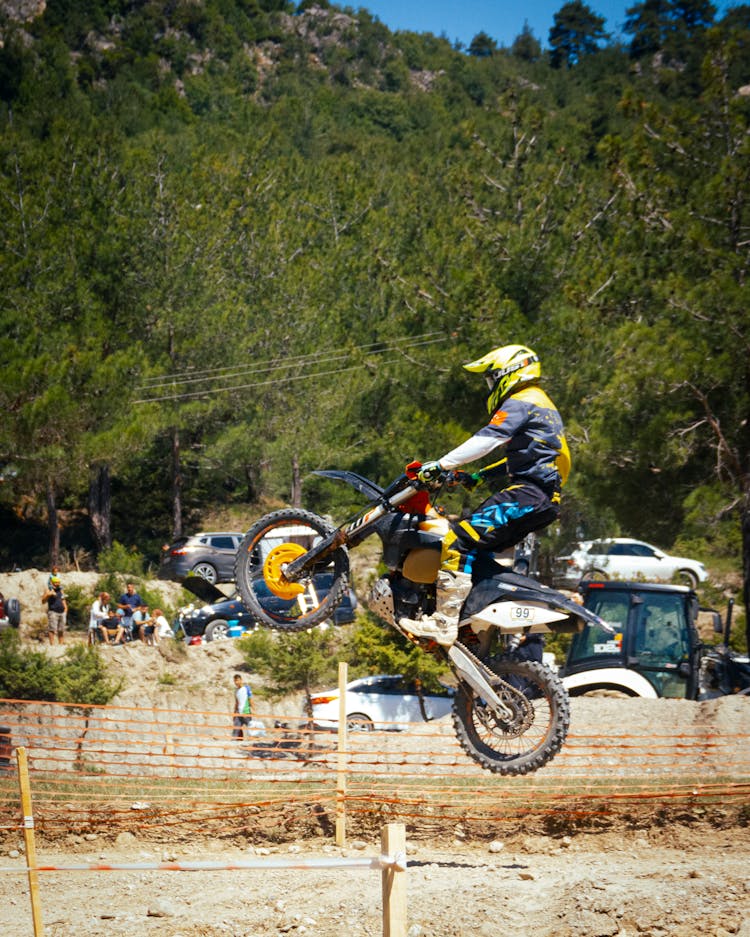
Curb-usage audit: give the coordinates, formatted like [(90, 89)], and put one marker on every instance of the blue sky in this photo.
[(500, 19)]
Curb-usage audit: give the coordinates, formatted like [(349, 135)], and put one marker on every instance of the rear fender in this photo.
[(565, 614), (524, 618)]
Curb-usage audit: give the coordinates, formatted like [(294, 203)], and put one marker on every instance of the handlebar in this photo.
[(448, 478)]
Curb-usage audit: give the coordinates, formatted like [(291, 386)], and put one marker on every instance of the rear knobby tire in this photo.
[(268, 609), (536, 733)]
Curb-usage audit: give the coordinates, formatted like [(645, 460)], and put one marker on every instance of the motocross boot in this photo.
[(442, 626)]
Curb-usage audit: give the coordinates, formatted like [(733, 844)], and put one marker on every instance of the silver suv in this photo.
[(210, 555)]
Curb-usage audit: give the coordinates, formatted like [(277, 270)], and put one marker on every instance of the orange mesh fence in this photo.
[(96, 767)]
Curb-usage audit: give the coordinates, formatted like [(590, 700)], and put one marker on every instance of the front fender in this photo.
[(369, 489), (610, 678)]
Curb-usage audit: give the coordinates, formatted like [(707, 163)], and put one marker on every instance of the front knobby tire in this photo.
[(535, 733), (324, 587)]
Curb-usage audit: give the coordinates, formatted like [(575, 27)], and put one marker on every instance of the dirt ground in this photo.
[(680, 881), (685, 877)]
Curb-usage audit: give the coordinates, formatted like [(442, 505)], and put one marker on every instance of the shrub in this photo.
[(25, 674), (79, 677), (79, 603), (120, 559)]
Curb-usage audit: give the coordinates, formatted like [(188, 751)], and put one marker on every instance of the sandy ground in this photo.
[(689, 877), (676, 882)]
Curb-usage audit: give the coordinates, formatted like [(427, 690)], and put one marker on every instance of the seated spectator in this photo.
[(97, 616), (162, 627), (148, 628), (111, 628), (143, 625)]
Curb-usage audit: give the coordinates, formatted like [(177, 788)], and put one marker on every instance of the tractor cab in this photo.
[(653, 649)]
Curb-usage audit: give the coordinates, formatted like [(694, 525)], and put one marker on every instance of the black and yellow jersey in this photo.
[(529, 427)]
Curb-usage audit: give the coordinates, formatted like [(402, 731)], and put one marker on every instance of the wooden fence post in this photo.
[(393, 843), (29, 840)]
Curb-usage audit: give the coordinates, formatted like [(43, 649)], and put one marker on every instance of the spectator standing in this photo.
[(98, 614), (57, 610), (128, 602), (162, 628), (242, 707)]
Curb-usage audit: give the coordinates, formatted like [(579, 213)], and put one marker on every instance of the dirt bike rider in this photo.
[(525, 484)]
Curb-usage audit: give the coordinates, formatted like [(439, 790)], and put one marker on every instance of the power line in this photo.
[(277, 380), (221, 390), (188, 377)]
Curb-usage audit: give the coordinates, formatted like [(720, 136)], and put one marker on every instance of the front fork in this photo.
[(473, 672)]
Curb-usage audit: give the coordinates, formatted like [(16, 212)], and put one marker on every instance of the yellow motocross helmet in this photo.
[(504, 369)]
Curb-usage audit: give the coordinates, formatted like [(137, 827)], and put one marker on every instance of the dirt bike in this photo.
[(510, 715)]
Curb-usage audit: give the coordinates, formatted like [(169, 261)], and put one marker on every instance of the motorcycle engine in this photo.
[(395, 598)]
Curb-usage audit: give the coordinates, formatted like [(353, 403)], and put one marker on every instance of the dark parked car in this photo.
[(224, 617), (210, 555)]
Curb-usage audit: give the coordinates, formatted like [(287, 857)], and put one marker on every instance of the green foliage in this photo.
[(111, 583), (482, 45), (80, 676), (223, 263), (526, 45), (291, 662), (25, 673), (79, 603), (373, 647), (558, 644), (576, 33), (708, 529), (120, 559), (309, 660)]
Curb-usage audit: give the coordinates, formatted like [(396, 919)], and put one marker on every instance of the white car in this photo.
[(623, 558), (380, 702)]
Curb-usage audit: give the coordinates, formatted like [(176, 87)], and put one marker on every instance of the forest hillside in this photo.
[(245, 239)]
